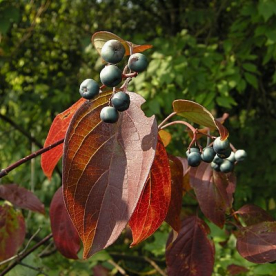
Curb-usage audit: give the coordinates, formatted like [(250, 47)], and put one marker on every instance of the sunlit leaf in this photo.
[(154, 202), (65, 235), (252, 214), (57, 132), (173, 216), (165, 137), (198, 114), (192, 253), (21, 197), (214, 192), (105, 167), (99, 38), (257, 243), (12, 231)]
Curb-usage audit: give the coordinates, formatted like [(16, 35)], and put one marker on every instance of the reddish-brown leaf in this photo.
[(57, 132), (153, 204), (65, 235), (234, 269), (186, 174), (253, 214), (257, 243), (173, 215), (99, 38), (12, 231), (198, 114), (214, 192), (21, 197), (105, 167), (165, 136), (192, 253)]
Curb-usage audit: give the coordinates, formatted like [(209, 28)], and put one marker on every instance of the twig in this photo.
[(29, 157), (24, 255), (166, 119), (120, 269), (153, 264)]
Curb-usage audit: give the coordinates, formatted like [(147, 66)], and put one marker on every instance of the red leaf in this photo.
[(252, 214), (154, 202), (192, 253), (105, 167), (257, 243), (21, 197), (214, 192), (65, 235), (57, 132), (173, 215), (12, 231), (236, 269)]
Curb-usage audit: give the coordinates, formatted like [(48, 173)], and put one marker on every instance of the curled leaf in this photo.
[(198, 114), (99, 39)]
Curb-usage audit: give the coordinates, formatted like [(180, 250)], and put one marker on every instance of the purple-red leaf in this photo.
[(57, 132), (214, 192), (257, 243), (198, 114), (21, 197), (105, 167), (65, 235), (192, 253), (252, 214), (173, 215), (234, 269), (154, 202), (12, 231)]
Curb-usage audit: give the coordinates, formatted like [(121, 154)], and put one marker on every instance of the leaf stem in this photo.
[(29, 157), (175, 123), (166, 119)]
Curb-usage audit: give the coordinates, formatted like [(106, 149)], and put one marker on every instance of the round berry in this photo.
[(111, 75), (113, 51), (192, 150), (224, 154), (231, 158), (221, 146), (226, 166), (208, 154), (217, 160), (137, 62), (109, 114), (194, 159), (89, 89), (240, 155), (121, 101), (215, 166)]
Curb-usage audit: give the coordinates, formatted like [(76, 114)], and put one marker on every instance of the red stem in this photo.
[(29, 157)]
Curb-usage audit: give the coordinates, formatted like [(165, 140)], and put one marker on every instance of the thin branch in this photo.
[(119, 268), (29, 157), (20, 129), (23, 256), (154, 264), (166, 119)]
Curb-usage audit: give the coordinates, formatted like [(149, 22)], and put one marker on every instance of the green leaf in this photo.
[(250, 67), (251, 79), (198, 114), (267, 8)]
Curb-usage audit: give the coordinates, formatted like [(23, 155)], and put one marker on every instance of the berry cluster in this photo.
[(113, 51), (220, 155)]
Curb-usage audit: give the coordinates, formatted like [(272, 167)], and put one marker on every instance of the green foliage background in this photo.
[(218, 53)]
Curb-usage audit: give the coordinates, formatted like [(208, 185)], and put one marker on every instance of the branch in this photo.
[(29, 157), (20, 129), (23, 256)]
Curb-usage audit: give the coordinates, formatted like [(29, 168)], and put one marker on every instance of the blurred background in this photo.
[(219, 53)]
